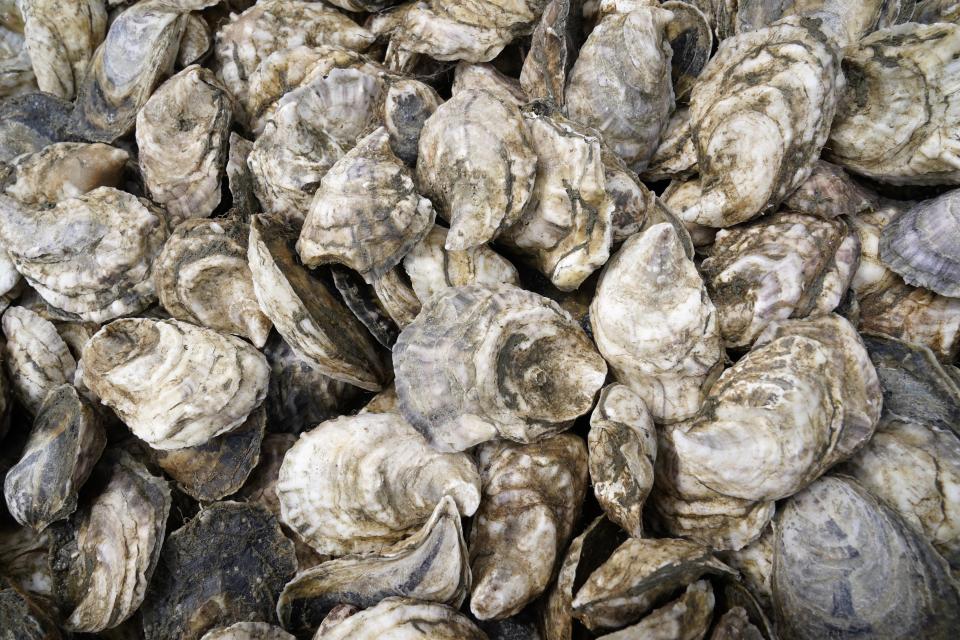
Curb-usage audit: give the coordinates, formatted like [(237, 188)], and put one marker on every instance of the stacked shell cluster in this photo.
[(479, 319)]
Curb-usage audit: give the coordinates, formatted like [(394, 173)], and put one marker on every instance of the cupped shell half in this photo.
[(65, 170), (360, 483), (487, 360), (845, 21), (404, 618), (248, 631), (688, 616), (174, 384), (37, 359)]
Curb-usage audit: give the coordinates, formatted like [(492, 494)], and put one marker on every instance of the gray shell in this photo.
[(552, 53), (36, 358), (829, 193), (248, 631), (845, 21), (65, 170), (685, 618), (404, 618), (24, 619)]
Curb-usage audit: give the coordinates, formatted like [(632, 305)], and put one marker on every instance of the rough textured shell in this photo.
[(620, 83), (691, 39), (314, 323), (487, 360), (664, 346), (551, 54), (531, 500), (476, 165), (104, 557), (407, 619), (360, 483), (734, 625), (248, 631), (845, 21), (623, 448), (90, 256), (36, 358), (840, 554), (24, 619), (30, 122), (66, 170), (686, 618), (431, 565), (406, 107), (174, 384), (367, 213), (182, 142), (829, 193), (203, 276)]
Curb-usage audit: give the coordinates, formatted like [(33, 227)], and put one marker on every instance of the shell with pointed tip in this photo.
[(103, 558), (620, 83), (846, 21), (174, 384), (532, 496), (687, 617), (654, 323), (431, 565), (16, 68), (248, 631), (36, 358), (829, 193), (839, 554), (788, 265), (66, 170), (476, 164), (359, 483), (91, 255), (367, 213), (623, 448), (758, 129), (228, 563), (404, 618), (182, 140), (920, 245), (64, 445), (432, 268), (482, 361), (311, 320), (203, 276), (691, 40), (195, 42), (30, 122), (544, 72), (486, 77)]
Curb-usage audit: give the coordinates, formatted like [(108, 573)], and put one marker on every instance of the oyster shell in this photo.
[(432, 268), (359, 483), (91, 255), (182, 140), (61, 38), (431, 565), (918, 245), (406, 106), (23, 561), (367, 213), (104, 557), (395, 293), (248, 631), (315, 325), (623, 448), (363, 301), (479, 175), (240, 179), (174, 384), (620, 83), (758, 129), (23, 618), (139, 50), (845, 21), (686, 618), (788, 265), (691, 40), (196, 41), (229, 563), (404, 618), (676, 155), (640, 571), (839, 552), (931, 11), (16, 68), (829, 193), (486, 77), (530, 370), (37, 359), (544, 72), (64, 445), (66, 170), (364, 5), (203, 276), (30, 122), (654, 323), (734, 625), (895, 122), (219, 466), (755, 564)]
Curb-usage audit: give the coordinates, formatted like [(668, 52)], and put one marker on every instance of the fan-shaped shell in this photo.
[(66, 170), (37, 359), (360, 483), (174, 384), (407, 619), (487, 360)]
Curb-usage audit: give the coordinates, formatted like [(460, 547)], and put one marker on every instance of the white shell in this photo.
[(36, 358), (66, 170)]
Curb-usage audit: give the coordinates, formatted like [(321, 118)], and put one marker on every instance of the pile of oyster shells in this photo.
[(466, 319)]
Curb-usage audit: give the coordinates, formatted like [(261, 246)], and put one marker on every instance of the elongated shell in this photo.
[(105, 556), (620, 83), (623, 448), (66, 170), (367, 213), (139, 50), (895, 122), (688, 616), (476, 165), (182, 141), (37, 359), (174, 384), (654, 323), (838, 555), (551, 54), (65, 443), (487, 360), (531, 499), (846, 21), (228, 563), (360, 483), (248, 631), (315, 324), (407, 619), (431, 565), (203, 276), (91, 255), (758, 130)]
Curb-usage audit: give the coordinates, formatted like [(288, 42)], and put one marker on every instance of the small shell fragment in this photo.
[(248, 631), (688, 616)]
